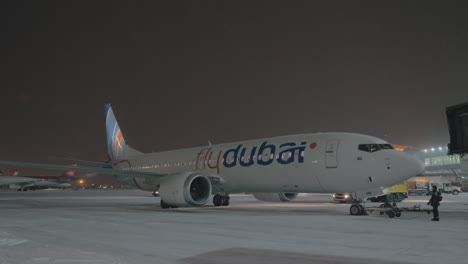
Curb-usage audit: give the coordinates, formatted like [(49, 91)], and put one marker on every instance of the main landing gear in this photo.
[(164, 205), (218, 200), (221, 200)]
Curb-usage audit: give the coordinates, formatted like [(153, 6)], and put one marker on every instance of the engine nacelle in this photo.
[(185, 189), (275, 197)]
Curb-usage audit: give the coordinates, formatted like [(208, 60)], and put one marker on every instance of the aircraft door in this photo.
[(296, 154), (331, 153)]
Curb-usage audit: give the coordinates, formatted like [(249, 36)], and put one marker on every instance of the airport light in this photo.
[(425, 150), (81, 181), (432, 149), (440, 148)]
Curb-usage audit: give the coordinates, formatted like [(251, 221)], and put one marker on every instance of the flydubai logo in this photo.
[(264, 155), (118, 142)]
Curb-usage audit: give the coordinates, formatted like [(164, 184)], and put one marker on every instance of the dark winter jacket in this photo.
[(435, 199)]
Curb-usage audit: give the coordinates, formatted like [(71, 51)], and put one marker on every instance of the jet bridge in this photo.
[(457, 118)]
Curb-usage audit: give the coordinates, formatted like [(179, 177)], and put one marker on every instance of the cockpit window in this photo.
[(364, 147), (385, 146), (374, 147)]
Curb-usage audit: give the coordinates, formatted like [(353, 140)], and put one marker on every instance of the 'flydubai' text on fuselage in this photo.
[(263, 155)]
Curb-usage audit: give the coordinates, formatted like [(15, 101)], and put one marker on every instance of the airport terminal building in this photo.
[(438, 163)]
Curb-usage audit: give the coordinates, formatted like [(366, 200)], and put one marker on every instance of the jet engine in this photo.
[(185, 189), (275, 197)]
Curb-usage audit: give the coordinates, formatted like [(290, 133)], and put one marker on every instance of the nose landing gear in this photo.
[(357, 209)]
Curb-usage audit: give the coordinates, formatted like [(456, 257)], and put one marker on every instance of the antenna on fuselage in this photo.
[(209, 143)]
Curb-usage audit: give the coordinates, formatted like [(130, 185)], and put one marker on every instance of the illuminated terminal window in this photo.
[(442, 160)]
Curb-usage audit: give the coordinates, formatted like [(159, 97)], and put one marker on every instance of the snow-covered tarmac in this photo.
[(128, 226)]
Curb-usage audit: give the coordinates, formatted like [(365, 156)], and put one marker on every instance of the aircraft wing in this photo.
[(15, 180), (85, 162), (108, 171)]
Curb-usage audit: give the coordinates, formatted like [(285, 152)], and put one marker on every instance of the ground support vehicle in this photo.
[(444, 187), (343, 197), (417, 188), (393, 194), (392, 211)]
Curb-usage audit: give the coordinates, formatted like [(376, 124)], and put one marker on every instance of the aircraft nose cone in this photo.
[(409, 166), (417, 166)]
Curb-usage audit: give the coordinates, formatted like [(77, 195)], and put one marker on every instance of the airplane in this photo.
[(14, 179), (46, 182), (39, 182), (44, 185), (272, 169), (4, 180)]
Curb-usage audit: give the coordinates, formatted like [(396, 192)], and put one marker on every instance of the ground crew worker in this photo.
[(435, 202)]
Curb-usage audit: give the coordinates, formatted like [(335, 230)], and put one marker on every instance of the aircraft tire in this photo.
[(391, 214), (355, 210), (455, 192), (225, 200), (218, 200), (363, 210), (164, 205)]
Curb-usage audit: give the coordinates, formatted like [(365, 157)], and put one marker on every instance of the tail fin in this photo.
[(116, 146)]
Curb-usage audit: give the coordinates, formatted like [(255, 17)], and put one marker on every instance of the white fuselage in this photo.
[(322, 162)]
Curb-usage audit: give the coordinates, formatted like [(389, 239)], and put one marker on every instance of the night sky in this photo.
[(180, 73)]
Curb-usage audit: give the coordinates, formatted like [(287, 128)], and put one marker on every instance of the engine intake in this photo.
[(275, 197), (185, 189)]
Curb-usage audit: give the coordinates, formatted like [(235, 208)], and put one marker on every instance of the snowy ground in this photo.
[(127, 226)]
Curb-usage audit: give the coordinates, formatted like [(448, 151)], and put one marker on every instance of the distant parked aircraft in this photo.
[(40, 182)]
